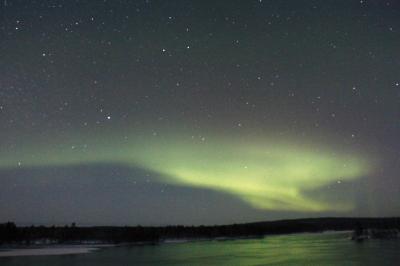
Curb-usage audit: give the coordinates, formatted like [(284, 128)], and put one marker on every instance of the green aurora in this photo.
[(266, 173)]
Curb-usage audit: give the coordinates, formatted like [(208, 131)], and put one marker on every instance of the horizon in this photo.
[(38, 224)]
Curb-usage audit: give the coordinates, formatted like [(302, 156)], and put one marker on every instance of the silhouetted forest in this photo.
[(11, 234)]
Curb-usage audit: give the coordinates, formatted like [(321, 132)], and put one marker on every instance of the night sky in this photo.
[(198, 112)]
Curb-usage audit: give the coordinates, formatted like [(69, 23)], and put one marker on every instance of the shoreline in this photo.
[(79, 248), (14, 237)]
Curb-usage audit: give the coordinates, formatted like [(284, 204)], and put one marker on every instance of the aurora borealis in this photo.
[(268, 175), (192, 112)]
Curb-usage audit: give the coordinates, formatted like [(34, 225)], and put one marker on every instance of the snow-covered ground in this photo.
[(50, 250)]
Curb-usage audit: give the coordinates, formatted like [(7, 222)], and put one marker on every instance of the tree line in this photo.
[(28, 235)]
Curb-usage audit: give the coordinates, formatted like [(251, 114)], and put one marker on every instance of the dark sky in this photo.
[(198, 112)]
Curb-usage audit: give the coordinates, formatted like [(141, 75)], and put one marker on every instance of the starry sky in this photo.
[(198, 112)]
